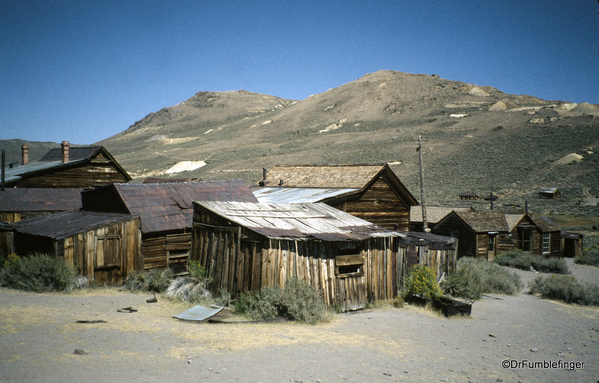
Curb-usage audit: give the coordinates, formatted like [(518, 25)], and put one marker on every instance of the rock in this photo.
[(534, 349)]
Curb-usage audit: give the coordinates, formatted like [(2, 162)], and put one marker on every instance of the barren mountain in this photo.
[(477, 139)]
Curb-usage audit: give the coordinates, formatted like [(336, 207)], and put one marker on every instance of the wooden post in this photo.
[(424, 220)]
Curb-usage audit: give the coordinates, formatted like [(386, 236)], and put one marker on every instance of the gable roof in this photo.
[(543, 223), (357, 177), (166, 206), (67, 223), (433, 213), (482, 221), (300, 221), (24, 200), (52, 161)]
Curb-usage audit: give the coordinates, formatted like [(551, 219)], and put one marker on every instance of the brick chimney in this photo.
[(65, 151), (25, 154)]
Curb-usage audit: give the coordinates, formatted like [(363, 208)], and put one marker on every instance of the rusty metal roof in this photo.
[(169, 206), (30, 200), (68, 223), (300, 221), (433, 241)]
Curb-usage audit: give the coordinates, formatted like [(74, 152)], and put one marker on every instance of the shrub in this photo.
[(474, 277), (565, 288), (589, 256), (187, 289), (38, 272), (155, 280), (297, 301), (422, 280), (524, 261)]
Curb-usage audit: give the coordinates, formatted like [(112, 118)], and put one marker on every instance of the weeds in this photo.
[(474, 277), (422, 280), (565, 288), (297, 301), (524, 261), (38, 272), (191, 288), (589, 256), (155, 280)]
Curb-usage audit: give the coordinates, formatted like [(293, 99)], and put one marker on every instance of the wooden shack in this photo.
[(166, 211), (535, 234), (19, 204), (247, 246), (68, 167), (480, 234), (370, 192), (571, 244), (438, 252), (104, 247), (549, 193), (434, 214), (7, 243)]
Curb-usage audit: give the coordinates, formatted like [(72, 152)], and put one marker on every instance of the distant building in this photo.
[(549, 193)]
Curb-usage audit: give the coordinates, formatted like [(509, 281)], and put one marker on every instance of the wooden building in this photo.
[(571, 244), (468, 196), (535, 234), (438, 252), (166, 212), (7, 243), (549, 193), (17, 204), (434, 214), (67, 167), (370, 192), (480, 234), (247, 246), (104, 247)]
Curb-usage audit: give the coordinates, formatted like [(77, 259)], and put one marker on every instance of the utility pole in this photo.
[(424, 220)]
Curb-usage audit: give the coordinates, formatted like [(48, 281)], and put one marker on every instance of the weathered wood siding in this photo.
[(160, 251), (14, 217), (467, 238), (239, 260), (381, 206)]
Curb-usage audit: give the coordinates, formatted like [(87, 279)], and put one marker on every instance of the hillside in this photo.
[(478, 139)]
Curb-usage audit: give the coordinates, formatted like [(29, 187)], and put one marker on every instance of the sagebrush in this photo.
[(37, 272), (565, 288), (297, 301), (525, 260), (154, 280), (589, 256), (474, 277)]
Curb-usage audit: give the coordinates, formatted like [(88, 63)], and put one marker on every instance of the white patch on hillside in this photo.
[(184, 166), (460, 115), (572, 157), (333, 126)]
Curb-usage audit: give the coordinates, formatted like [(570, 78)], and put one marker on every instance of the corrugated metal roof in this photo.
[(16, 173), (483, 222), (299, 221), (169, 206), (322, 176), (297, 195), (68, 223), (433, 241), (29, 200), (433, 213)]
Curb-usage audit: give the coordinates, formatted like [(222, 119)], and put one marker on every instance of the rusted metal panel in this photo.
[(38, 200)]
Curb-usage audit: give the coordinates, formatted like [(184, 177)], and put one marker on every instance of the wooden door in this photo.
[(108, 260), (351, 282)]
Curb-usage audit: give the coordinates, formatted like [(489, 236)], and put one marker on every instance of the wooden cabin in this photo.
[(370, 192), (468, 196), (247, 246), (83, 167), (535, 234), (18, 204), (549, 193), (104, 247), (571, 244), (438, 252), (166, 212), (480, 234), (434, 214)]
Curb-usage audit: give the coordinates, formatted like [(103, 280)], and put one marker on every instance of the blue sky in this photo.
[(84, 70)]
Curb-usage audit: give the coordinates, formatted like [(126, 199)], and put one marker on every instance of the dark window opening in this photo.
[(350, 269)]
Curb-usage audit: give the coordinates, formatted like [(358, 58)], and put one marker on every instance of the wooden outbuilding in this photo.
[(247, 246), (535, 234), (166, 211), (571, 244), (370, 192), (549, 193), (434, 214), (17, 204), (67, 167), (104, 247), (480, 234), (468, 196)]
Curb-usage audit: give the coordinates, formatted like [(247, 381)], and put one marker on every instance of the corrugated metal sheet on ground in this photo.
[(199, 313)]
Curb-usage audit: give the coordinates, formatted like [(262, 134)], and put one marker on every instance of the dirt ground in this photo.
[(39, 336)]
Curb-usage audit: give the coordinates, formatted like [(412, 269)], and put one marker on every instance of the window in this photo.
[(349, 265), (546, 243), (524, 237), (491, 242)]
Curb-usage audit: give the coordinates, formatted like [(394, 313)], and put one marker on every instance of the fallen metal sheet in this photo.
[(199, 313)]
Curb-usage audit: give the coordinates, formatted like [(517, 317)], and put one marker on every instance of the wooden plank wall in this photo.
[(104, 255), (381, 206), (442, 261), (85, 176)]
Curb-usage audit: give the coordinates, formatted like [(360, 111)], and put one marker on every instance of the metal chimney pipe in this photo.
[(25, 154), (3, 168), (65, 151)]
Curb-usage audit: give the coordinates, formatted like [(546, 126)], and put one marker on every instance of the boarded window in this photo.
[(108, 252), (349, 265)]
